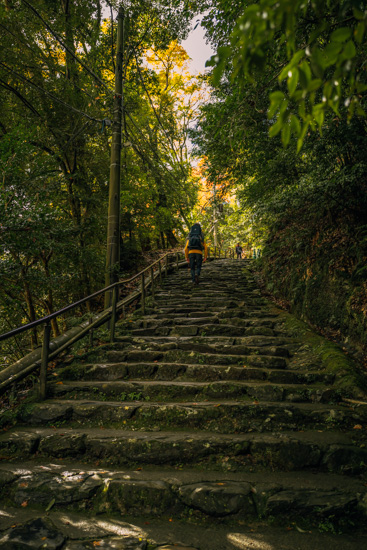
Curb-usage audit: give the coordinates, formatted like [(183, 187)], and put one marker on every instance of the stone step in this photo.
[(208, 329), (187, 356), (181, 493), (228, 308), (80, 531), (202, 321), (213, 345), (202, 302), (226, 314), (253, 343), (219, 415), (186, 390), (181, 371), (328, 451)]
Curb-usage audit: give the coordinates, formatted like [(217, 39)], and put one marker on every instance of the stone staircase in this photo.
[(207, 411)]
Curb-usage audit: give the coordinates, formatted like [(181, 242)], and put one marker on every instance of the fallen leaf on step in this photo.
[(357, 427)]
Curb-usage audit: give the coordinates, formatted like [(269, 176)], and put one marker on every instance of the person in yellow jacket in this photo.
[(194, 248)]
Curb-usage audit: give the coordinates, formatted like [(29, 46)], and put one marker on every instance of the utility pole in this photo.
[(215, 217), (113, 224)]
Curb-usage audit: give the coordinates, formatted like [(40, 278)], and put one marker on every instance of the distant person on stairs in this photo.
[(239, 251), (195, 245)]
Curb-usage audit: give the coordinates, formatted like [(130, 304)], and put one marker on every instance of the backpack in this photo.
[(196, 238)]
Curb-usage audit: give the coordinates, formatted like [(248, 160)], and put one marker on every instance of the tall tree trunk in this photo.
[(30, 310), (163, 240), (171, 239), (48, 303)]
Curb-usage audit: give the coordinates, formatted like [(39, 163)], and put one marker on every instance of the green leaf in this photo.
[(286, 134), (275, 129), (284, 72), (360, 110), (318, 113), (50, 505), (314, 85), (349, 50), (276, 97), (328, 88), (359, 32), (304, 75), (320, 57), (358, 14), (332, 51), (302, 136), (293, 81), (297, 58), (341, 35), (274, 107), (295, 125)]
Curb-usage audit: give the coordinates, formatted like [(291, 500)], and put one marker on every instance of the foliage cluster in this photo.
[(57, 70), (283, 69)]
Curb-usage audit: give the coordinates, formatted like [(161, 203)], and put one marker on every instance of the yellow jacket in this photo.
[(194, 250)]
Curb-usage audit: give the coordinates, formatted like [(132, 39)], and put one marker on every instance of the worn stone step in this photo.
[(208, 329), (219, 415), (187, 356), (202, 321), (230, 306), (158, 493), (330, 452), (213, 345), (206, 345), (224, 314), (184, 371), (82, 531), (263, 343), (202, 302), (185, 390)]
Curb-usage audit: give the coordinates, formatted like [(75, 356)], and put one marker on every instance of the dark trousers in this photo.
[(195, 264)]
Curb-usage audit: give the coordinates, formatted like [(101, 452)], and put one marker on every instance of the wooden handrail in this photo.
[(41, 356)]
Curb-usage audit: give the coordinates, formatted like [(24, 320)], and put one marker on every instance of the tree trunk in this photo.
[(30, 311), (162, 240), (171, 239)]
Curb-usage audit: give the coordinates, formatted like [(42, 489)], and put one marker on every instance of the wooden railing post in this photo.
[(166, 267), (143, 293), (44, 359), (160, 272), (113, 315), (152, 279), (177, 258)]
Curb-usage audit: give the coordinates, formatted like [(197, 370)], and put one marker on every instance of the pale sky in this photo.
[(196, 47)]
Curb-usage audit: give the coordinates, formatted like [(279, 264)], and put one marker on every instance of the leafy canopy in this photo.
[(318, 49)]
